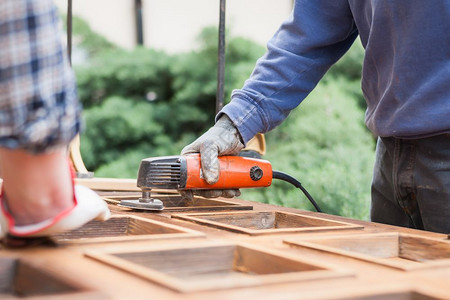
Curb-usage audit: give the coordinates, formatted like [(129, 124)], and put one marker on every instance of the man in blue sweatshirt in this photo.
[(405, 81)]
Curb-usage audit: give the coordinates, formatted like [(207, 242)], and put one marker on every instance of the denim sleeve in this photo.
[(39, 109), (313, 38)]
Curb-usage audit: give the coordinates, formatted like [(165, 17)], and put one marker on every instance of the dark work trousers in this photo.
[(411, 183)]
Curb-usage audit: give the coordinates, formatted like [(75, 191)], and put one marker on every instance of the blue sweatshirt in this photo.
[(406, 68)]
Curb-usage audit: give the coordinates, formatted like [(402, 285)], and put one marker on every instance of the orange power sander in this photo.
[(183, 172)]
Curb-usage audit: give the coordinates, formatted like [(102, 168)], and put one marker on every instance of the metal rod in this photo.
[(69, 31), (221, 61), (146, 196), (139, 22)]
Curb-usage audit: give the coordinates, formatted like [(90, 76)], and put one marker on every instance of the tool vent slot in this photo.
[(163, 173)]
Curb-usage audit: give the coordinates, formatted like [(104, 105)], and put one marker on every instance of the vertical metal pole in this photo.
[(139, 22), (69, 31), (221, 62), (74, 147)]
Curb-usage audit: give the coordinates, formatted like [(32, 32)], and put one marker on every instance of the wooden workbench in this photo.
[(238, 250)]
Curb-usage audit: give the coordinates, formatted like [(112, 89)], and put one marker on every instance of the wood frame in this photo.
[(241, 254), (216, 204), (168, 231), (31, 279), (317, 224), (365, 280), (415, 249)]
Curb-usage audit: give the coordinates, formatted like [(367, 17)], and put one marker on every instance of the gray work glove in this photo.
[(221, 139)]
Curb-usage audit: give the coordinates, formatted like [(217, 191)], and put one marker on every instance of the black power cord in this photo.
[(296, 183)]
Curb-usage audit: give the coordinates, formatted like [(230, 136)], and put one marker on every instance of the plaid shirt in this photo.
[(39, 109)]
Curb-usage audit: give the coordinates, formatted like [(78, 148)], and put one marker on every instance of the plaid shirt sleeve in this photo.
[(39, 108)]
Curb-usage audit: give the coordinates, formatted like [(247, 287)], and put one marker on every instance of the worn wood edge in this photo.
[(84, 295), (264, 280), (349, 254), (136, 270), (75, 155), (136, 238), (111, 201), (162, 196), (109, 184), (182, 234), (210, 208), (229, 205), (298, 258), (194, 217), (186, 209), (167, 225), (161, 247), (288, 213), (133, 197), (303, 242), (260, 232), (318, 218), (428, 291), (399, 289), (304, 230), (82, 287), (217, 225), (107, 257)]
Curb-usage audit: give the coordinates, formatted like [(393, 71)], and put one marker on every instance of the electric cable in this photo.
[(285, 177)]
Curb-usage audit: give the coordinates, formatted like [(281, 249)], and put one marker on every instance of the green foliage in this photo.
[(120, 133), (148, 103), (323, 144), (116, 125), (130, 74)]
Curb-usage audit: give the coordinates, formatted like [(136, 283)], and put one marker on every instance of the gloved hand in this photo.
[(221, 139), (88, 206)]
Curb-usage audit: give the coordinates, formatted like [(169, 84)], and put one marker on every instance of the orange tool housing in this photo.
[(235, 172)]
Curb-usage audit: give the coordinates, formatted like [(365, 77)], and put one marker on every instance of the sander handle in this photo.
[(235, 172)]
